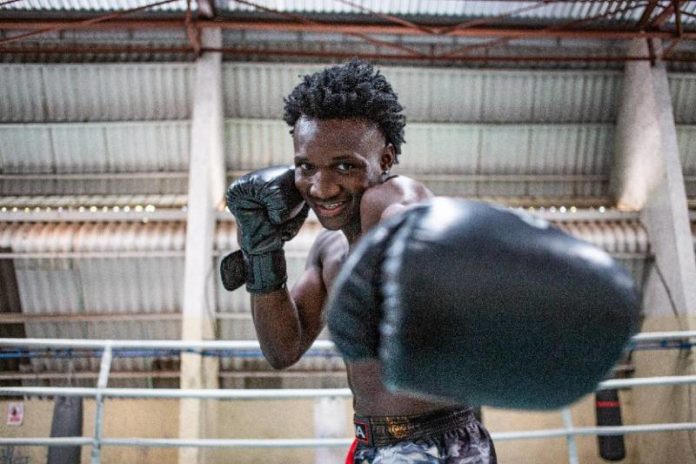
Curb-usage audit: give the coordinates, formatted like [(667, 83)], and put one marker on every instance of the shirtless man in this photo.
[(347, 131)]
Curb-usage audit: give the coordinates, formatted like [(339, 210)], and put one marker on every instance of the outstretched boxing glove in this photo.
[(480, 305), (269, 211), (355, 311)]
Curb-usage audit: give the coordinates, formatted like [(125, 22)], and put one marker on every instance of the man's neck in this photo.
[(352, 233)]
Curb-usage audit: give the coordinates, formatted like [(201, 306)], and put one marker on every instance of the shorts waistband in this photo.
[(388, 430)]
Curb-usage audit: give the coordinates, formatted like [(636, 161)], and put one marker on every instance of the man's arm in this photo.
[(270, 211), (288, 322)]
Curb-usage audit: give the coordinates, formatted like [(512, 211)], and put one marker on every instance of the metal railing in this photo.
[(102, 392)]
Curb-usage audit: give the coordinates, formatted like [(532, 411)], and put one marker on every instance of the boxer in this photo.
[(347, 128), (413, 287)]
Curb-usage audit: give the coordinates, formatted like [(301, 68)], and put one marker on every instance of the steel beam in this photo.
[(341, 28)]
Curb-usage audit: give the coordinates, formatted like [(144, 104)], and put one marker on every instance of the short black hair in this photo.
[(351, 90)]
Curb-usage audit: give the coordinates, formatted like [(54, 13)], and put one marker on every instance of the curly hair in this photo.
[(350, 90)]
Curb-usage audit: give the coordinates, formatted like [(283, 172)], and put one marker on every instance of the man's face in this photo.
[(336, 160)]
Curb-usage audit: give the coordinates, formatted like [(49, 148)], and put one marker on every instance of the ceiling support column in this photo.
[(206, 189), (648, 177)]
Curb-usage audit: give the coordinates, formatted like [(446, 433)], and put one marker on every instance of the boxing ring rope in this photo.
[(101, 392)]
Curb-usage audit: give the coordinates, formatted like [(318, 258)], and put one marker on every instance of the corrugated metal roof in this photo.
[(94, 285), (471, 151), (565, 10), (94, 147), (100, 201), (269, 45), (95, 186), (92, 236), (93, 5), (615, 237), (254, 143), (562, 150), (507, 96), (444, 94), (615, 12), (526, 10), (625, 236), (95, 92), (686, 139), (160, 148), (302, 47), (74, 286), (257, 90), (683, 90), (152, 91)]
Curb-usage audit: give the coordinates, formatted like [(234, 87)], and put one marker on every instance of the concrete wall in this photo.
[(160, 419), (294, 419), (122, 418)]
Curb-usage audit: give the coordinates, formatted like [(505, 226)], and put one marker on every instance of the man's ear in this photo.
[(386, 160)]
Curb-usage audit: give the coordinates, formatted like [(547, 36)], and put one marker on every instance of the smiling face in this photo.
[(336, 160)]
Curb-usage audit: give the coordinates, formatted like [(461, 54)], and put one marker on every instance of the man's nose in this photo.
[(323, 185)]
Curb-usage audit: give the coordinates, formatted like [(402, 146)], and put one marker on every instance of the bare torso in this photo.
[(287, 322), (370, 396)]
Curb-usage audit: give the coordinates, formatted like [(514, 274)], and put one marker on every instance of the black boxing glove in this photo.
[(269, 211), (233, 270), (483, 306), (355, 305)]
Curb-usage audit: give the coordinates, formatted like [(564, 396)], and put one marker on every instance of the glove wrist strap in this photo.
[(266, 273)]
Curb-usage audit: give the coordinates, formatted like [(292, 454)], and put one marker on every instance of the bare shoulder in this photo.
[(390, 197), (330, 245)]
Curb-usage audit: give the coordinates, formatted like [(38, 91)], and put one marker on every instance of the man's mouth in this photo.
[(329, 208)]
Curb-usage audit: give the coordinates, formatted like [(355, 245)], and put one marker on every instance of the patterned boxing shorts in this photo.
[(449, 436)]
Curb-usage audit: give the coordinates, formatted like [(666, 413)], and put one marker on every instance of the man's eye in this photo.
[(303, 166), (344, 167)]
